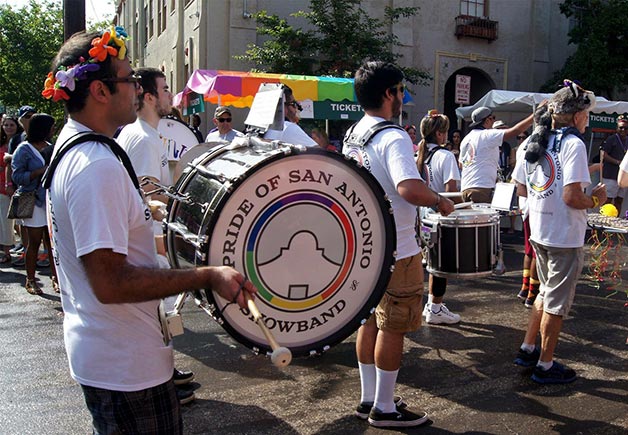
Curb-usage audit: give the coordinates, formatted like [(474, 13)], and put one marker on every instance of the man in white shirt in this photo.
[(389, 156), (553, 177), (143, 143), (104, 248), (479, 154), (223, 122), (291, 132)]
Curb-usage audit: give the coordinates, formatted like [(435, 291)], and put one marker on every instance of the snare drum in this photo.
[(463, 244), (313, 231)]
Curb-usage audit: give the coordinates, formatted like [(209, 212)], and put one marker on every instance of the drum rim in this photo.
[(387, 262)]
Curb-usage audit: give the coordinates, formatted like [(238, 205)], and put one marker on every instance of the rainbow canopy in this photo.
[(237, 89)]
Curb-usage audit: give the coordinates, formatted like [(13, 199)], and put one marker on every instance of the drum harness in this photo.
[(352, 139)]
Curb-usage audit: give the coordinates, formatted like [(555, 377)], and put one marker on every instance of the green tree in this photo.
[(601, 32), (29, 40), (343, 35)]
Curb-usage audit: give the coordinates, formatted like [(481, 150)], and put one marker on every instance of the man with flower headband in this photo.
[(104, 247), (553, 176)]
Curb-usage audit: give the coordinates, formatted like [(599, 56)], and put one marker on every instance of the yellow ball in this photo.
[(609, 210)]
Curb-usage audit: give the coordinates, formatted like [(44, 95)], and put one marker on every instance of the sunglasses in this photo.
[(295, 105), (521, 137), (136, 79), (221, 120), (622, 128)]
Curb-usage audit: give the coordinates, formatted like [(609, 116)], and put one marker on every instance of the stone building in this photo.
[(499, 44)]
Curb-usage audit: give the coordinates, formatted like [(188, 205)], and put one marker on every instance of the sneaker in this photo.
[(20, 261), (442, 316), (529, 302), (43, 260), (17, 249), (363, 409), (527, 359), (185, 396), (401, 417), (182, 377), (426, 309), (523, 294), (557, 374)]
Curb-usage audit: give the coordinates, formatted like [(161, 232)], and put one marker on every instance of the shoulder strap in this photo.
[(364, 139), (90, 137), (431, 153)]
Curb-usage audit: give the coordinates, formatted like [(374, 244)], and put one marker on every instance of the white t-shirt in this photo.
[(147, 151), (216, 136), (441, 169), (94, 205), (552, 222), (521, 154), (389, 157), (292, 134), (624, 163), (479, 157)]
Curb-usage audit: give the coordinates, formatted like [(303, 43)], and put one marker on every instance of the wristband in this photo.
[(596, 201)]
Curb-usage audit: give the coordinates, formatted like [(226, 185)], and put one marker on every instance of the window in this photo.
[(146, 25), (161, 16), (164, 12), (473, 8), (151, 19)]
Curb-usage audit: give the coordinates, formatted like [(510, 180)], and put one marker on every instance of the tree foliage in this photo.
[(601, 32), (343, 36), (29, 39)]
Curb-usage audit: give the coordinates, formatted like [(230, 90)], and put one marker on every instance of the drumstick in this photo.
[(450, 194), (281, 356)]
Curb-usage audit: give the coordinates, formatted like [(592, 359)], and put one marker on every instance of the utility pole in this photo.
[(73, 17)]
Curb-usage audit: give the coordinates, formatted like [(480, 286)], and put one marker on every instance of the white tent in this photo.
[(512, 106)]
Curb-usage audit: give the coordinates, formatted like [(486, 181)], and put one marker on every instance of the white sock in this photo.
[(545, 365), (435, 308), (385, 390), (367, 382), (430, 298), (527, 347)]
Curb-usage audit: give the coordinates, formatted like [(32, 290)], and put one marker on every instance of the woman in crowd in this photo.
[(10, 127), (411, 130), (28, 166), (456, 139), (439, 169)]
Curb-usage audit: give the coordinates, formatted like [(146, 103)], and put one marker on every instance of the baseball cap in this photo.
[(500, 124), (479, 115), (220, 110), (26, 109)]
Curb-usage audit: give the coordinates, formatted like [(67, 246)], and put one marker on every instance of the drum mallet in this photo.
[(281, 356)]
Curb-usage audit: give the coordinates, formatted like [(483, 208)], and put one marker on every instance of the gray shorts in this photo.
[(612, 188), (558, 270)]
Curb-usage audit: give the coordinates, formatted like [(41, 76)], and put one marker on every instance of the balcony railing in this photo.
[(476, 27)]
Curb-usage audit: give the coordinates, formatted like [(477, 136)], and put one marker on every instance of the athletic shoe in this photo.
[(17, 249), (527, 359), (523, 294), (401, 417), (185, 396), (557, 374), (442, 316), (43, 260), (529, 302), (182, 377), (363, 409), (20, 261), (426, 309)]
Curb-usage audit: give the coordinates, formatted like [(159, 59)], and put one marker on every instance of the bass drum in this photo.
[(313, 231), (178, 139)]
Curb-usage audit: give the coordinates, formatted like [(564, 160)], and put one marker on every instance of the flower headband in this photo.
[(111, 43), (432, 113)]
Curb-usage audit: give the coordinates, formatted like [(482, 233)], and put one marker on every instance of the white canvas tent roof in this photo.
[(511, 106)]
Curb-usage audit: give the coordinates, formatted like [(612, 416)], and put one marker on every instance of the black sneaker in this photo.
[(182, 377), (527, 359), (363, 409), (523, 294), (402, 417), (557, 374), (185, 396)]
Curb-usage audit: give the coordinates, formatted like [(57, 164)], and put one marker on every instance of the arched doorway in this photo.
[(481, 83)]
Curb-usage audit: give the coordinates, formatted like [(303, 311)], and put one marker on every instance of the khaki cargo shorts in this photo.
[(400, 308)]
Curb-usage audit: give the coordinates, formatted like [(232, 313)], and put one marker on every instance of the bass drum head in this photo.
[(315, 234)]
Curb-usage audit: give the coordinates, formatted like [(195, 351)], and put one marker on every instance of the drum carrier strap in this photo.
[(428, 159), (90, 137), (363, 140)]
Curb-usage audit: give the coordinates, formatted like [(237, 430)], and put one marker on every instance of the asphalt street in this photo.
[(462, 375)]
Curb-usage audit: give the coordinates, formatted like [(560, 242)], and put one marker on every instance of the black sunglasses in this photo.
[(221, 120), (622, 128), (136, 79), (295, 104)]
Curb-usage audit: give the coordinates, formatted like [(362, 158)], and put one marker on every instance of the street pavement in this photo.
[(462, 375)]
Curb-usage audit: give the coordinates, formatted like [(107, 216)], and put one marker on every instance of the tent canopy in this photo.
[(322, 97), (513, 105)]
